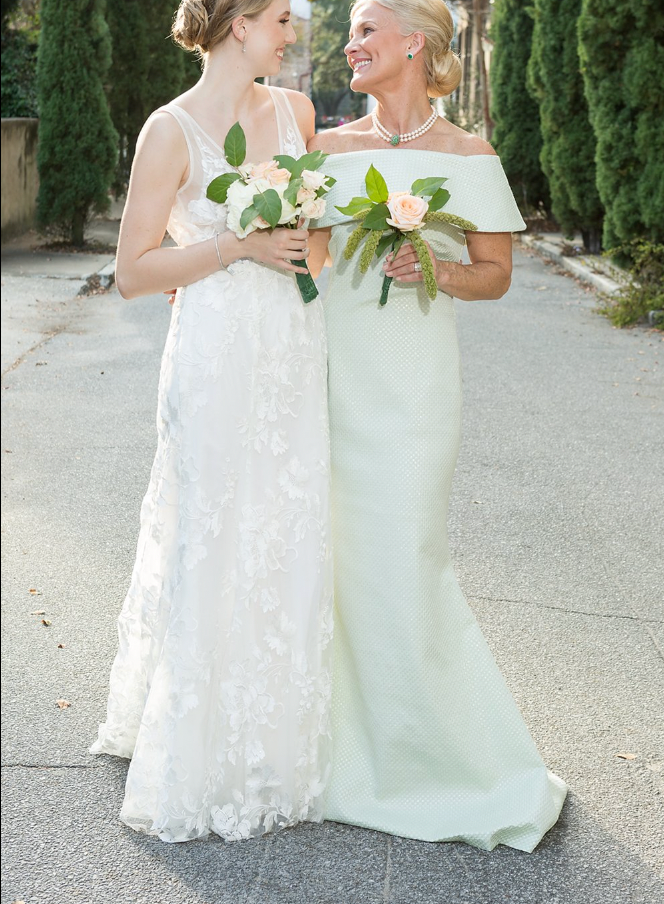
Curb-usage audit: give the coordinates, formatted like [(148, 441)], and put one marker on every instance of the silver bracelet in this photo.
[(216, 245)]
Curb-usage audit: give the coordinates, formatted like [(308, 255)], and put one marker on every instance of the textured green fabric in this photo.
[(428, 742)]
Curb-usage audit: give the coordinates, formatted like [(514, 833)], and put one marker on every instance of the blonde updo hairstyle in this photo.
[(202, 24), (434, 20)]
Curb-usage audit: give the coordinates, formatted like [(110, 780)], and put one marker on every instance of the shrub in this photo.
[(77, 141), (516, 136), (622, 59), (644, 290), (568, 140)]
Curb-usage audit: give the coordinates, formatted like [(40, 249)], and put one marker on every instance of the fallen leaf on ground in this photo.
[(61, 646), (626, 756), (46, 623), (63, 704), (39, 612), (33, 590)]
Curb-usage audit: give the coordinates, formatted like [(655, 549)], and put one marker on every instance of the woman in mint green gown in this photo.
[(428, 741)]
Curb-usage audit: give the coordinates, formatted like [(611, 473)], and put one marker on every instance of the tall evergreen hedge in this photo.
[(148, 70), (77, 141), (621, 47), (568, 140), (516, 136)]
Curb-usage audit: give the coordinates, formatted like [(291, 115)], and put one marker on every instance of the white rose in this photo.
[(305, 194), (313, 180), (287, 212), (314, 208), (239, 197)]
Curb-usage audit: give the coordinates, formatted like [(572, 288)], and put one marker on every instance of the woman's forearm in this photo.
[(160, 269), (472, 282)]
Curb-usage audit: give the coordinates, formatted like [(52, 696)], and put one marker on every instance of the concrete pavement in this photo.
[(556, 535)]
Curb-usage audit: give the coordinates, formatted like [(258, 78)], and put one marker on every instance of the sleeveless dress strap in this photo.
[(187, 125), (290, 138)]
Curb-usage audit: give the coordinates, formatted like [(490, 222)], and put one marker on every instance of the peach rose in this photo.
[(313, 208), (407, 211), (263, 170), (278, 177)]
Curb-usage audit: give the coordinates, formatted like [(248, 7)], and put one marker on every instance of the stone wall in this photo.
[(20, 180)]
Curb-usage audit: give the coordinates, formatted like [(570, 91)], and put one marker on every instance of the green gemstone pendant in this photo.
[(394, 140)]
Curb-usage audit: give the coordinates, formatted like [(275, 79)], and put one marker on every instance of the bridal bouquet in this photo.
[(387, 219), (277, 192)]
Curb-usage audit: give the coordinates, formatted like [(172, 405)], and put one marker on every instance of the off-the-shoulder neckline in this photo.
[(414, 151)]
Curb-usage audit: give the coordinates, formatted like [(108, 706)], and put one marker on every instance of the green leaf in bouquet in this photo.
[(310, 161), (247, 216), (217, 190), (377, 217), (235, 146), (439, 199), (292, 189), (422, 187), (286, 162), (268, 205), (384, 243), (356, 205), (376, 185), (329, 182)]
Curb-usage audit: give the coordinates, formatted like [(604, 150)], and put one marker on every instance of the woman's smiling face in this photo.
[(376, 49)]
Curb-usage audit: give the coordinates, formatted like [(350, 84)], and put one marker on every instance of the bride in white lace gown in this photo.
[(220, 690)]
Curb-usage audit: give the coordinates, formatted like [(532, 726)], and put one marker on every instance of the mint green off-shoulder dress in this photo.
[(428, 741)]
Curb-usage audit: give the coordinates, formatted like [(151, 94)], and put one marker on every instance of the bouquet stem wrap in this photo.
[(306, 285)]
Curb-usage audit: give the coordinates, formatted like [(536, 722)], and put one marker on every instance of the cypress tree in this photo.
[(77, 141), (516, 136), (148, 70), (621, 47), (568, 140), (330, 22)]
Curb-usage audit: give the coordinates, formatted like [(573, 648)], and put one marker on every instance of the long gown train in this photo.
[(427, 740)]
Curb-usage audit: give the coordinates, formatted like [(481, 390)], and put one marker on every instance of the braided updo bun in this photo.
[(201, 24), (434, 20)]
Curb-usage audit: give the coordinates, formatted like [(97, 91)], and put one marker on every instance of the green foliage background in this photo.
[(330, 21), (516, 136), (148, 70), (77, 141), (568, 141), (621, 47), (20, 39)]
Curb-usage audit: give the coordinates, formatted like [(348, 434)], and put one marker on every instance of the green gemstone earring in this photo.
[(410, 56)]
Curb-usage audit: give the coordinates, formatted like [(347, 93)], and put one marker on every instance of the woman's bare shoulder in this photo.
[(465, 144), (299, 101), (304, 110), (352, 136), (162, 126)]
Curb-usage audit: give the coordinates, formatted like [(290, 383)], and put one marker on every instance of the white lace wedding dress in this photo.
[(220, 690)]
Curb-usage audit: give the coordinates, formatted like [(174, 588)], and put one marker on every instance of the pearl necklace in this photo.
[(394, 140)]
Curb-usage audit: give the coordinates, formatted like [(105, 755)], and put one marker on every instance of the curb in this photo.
[(107, 275), (99, 280), (581, 267)]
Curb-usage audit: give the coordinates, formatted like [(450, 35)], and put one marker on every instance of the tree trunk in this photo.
[(78, 227), (592, 240)]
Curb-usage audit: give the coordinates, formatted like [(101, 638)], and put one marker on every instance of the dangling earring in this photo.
[(410, 56), (244, 45)]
